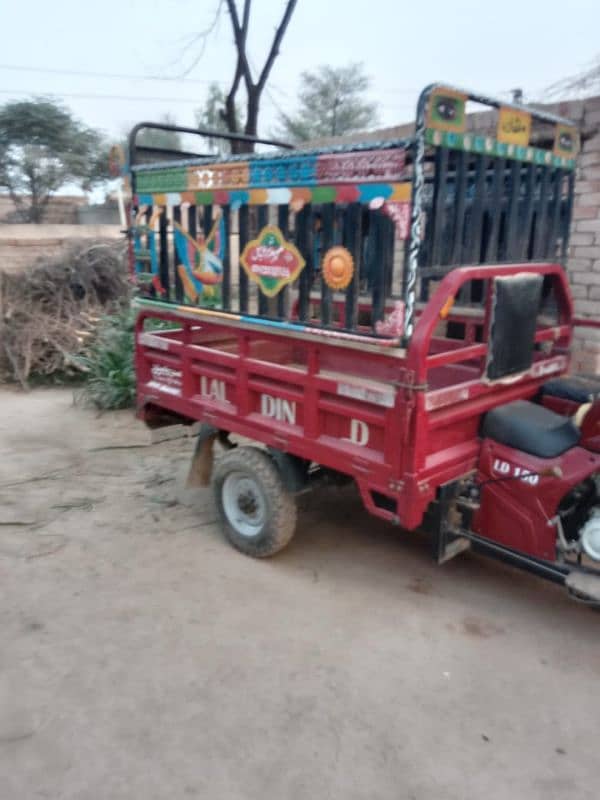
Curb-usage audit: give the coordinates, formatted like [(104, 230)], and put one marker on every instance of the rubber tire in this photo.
[(280, 524)]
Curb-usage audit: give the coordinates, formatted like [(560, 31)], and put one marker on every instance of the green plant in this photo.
[(108, 363)]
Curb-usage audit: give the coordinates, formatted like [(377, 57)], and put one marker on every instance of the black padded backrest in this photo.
[(515, 305)]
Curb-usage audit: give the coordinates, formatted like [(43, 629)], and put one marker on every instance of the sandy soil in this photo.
[(142, 658)]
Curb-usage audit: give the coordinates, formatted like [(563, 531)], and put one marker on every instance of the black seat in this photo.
[(530, 428), (577, 388)]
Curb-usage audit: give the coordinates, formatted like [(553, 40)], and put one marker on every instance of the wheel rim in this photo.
[(244, 504)]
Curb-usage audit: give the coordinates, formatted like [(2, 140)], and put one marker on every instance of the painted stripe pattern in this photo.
[(487, 145)]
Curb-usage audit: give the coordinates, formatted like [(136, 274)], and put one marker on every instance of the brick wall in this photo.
[(584, 249)]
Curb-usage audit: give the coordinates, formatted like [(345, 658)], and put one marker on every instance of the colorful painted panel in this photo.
[(566, 142), (446, 110), (223, 176), (486, 144), (363, 166), (514, 126), (371, 165), (271, 261), (296, 197)]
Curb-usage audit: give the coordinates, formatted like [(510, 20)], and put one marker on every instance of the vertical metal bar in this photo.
[(377, 272), (439, 206), (163, 254), (352, 239), (491, 248), (512, 214), (243, 278), (460, 190), (283, 221), (557, 184), (178, 284), (263, 301), (226, 280), (541, 215), (472, 239), (192, 222), (389, 231), (303, 242), (527, 215), (566, 218), (327, 239)]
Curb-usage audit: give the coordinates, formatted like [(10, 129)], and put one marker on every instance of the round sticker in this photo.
[(338, 267)]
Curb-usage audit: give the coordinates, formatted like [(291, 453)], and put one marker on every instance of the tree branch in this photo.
[(279, 34), (240, 34)]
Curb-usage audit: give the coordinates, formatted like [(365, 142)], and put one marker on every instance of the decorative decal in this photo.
[(393, 324), (377, 397), (338, 267), (369, 165), (514, 126), (400, 213), (296, 197), (278, 408), (221, 176), (446, 110), (566, 142), (146, 256), (201, 261), (359, 433), (484, 144), (271, 261), (165, 379)]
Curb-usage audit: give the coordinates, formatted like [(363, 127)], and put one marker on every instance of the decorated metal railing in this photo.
[(313, 238), (496, 191), (347, 239)]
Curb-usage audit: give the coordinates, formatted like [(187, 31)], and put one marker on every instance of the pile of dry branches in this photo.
[(49, 311)]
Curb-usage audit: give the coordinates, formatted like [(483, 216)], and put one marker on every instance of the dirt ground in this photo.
[(141, 657)]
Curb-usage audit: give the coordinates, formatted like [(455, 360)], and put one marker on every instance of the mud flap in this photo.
[(446, 543), (202, 460)]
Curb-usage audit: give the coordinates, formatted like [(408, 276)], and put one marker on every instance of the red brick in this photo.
[(587, 307), (588, 225), (589, 199), (585, 278), (581, 187), (580, 292), (592, 103), (587, 252), (589, 159), (580, 264), (584, 212), (591, 118), (591, 173), (580, 239)]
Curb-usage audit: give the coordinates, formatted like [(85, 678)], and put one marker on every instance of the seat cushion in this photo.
[(530, 428), (577, 388)]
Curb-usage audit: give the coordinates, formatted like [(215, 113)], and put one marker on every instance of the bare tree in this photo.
[(254, 87), (243, 75)]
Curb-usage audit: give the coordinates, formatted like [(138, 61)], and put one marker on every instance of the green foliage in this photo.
[(42, 148), (332, 103), (211, 115), (110, 380), (167, 140)]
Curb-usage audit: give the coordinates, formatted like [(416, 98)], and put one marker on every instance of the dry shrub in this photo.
[(49, 312)]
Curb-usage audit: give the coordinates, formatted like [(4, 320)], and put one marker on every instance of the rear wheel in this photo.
[(257, 511)]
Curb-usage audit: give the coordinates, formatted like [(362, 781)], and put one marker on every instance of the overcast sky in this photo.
[(492, 47)]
